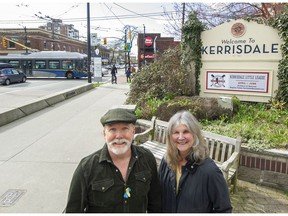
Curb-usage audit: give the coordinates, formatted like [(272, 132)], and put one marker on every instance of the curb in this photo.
[(42, 103)]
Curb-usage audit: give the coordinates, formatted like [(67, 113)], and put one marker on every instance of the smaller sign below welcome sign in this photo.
[(257, 82)]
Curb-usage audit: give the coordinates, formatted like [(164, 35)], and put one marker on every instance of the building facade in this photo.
[(152, 45), (19, 40), (56, 26)]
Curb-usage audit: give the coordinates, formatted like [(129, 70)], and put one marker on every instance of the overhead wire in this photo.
[(72, 7), (114, 14), (154, 14), (137, 13)]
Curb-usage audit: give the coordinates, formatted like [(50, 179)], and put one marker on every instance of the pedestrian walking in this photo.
[(119, 178), (113, 73), (128, 74), (190, 180)]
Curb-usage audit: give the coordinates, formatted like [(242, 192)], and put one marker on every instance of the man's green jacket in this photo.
[(97, 184)]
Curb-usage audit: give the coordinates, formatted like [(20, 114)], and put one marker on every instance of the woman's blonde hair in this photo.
[(199, 150)]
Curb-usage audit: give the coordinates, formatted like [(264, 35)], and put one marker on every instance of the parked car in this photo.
[(5, 65), (108, 67), (105, 71), (10, 75)]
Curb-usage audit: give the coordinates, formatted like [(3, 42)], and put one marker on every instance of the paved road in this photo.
[(40, 152), (16, 94)]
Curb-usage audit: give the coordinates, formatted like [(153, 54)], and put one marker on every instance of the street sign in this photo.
[(148, 41), (97, 51), (127, 47), (94, 40)]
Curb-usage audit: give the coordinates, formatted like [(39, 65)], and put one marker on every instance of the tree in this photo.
[(214, 14)]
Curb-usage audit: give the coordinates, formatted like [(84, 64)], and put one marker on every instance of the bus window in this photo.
[(54, 64), (40, 64), (15, 63), (67, 64)]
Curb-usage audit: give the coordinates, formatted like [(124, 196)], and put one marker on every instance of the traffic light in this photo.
[(129, 34), (105, 41), (4, 42)]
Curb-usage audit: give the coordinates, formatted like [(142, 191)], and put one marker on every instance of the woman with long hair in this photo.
[(190, 180)]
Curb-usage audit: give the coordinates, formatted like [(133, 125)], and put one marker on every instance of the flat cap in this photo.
[(118, 115)]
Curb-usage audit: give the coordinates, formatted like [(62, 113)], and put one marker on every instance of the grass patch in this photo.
[(95, 85)]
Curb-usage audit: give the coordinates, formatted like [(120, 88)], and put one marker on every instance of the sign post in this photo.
[(97, 66), (97, 69)]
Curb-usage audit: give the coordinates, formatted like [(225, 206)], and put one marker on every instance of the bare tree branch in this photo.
[(214, 14)]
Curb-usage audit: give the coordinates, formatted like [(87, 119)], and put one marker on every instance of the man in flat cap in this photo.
[(119, 178)]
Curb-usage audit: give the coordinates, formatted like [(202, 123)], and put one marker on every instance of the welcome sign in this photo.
[(240, 58)]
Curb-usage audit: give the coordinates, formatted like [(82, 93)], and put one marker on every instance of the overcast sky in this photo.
[(106, 18)]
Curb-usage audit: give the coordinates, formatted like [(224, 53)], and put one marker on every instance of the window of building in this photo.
[(45, 44), (11, 45)]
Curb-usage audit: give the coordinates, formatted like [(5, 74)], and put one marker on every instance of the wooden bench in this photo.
[(225, 151)]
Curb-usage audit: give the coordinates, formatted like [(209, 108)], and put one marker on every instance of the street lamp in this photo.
[(144, 45), (154, 46)]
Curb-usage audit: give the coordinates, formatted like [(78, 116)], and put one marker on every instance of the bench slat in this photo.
[(211, 146), (230, 151), (157, 149), (217, 151), (223, 152)]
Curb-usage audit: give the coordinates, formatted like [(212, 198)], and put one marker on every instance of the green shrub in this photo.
[(163, 79), (259, 125), (201, 108)]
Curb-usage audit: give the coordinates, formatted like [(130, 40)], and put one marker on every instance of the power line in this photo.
[(155, 14), (137, 13), (72, 7), (114, 14)]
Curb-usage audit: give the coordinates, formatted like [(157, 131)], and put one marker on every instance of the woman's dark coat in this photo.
[(202, 189)]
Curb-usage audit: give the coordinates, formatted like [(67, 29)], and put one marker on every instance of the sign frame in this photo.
[(238, 81)]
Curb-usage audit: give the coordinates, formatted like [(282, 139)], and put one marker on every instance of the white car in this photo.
[(105, 71)]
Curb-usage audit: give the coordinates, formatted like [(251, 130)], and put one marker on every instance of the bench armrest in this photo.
[(227, 164), (140, 138)]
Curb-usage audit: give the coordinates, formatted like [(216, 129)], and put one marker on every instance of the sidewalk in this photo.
[(252, 198)]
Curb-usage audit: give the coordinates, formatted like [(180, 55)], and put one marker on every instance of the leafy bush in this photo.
[(160, 80), (281, 23), (201, 108)]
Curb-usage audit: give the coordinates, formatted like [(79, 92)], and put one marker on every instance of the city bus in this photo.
[(49, 64)]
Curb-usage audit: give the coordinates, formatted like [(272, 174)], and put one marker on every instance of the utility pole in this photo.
[(144, 36), (26, 39), (183, 18), (183, 14), (125, 48), (88, 43), (53, 33)]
